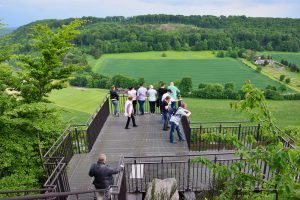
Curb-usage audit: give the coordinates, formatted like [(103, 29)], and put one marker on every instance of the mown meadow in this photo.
[(202, 67)]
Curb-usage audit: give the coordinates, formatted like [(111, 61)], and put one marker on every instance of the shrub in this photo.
[(163, 54), (287, 80), (258, 69), (185, 86), (220, 54), (202, 85), (229, 86), (272, 94), (282, 77), (282, 88)]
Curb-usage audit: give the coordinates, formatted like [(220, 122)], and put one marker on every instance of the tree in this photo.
[(282, 76), (185, 86), (275, 156), (44, 71), (287, 80), (258, 69)]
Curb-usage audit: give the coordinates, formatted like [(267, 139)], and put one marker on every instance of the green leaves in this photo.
[(44, 70)]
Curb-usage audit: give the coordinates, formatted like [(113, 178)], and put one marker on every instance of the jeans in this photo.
[(141, 103), (165, 117), (175, 126), (115, 103), (173, 105), (152, 106)]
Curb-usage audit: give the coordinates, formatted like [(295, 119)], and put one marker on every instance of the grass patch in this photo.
[(287, 113), (77, 104)]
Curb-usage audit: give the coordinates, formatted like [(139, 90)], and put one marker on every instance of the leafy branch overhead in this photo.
[(44, 70)]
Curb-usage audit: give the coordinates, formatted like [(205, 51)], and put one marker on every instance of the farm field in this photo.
[(78, 104), (202, 67), (289, 56)]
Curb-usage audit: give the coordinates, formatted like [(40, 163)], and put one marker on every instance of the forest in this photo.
[(177, 32)]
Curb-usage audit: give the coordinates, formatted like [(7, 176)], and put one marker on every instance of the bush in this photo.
[(229, 86), (164, 55), (282, 88), (258, 69), (202, 85), (292, 96), (287, 80), (272, 94), (220, 54), (282, 77), (185, 86)]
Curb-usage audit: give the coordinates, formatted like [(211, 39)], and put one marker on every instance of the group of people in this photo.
[(166, 98)]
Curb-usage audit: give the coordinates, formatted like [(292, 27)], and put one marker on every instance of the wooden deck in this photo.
[(115, 141)]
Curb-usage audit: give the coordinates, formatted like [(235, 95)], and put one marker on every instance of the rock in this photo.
[(163, 189)]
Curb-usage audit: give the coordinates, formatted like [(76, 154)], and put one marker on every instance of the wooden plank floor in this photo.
[(115, 141)]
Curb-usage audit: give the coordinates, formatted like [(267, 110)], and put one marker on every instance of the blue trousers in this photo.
[(141, 103), (115, 103), (173, 127)]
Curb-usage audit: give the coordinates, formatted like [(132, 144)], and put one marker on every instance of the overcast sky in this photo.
[(19, 12)]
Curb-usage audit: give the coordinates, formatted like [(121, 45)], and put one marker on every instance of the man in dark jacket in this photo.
[(103, 174)]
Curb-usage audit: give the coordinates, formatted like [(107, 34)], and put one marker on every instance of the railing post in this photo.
[(257, 132), (239, 133), (188, 176), (77, 140), (220, 131)]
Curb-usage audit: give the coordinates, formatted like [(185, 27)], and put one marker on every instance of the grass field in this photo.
[(289, 56), (202, 67), (275, 72), (78, 104)]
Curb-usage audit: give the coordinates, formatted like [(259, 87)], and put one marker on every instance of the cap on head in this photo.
[(102, 158)]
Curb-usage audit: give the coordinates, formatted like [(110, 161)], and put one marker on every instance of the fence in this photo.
[(190, 176), (194, 134)]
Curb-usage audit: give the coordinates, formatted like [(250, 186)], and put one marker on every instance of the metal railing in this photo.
[(194, 134), (190, 176), (96, 122)]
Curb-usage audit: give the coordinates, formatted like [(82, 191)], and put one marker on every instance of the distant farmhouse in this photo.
[(262, 61)]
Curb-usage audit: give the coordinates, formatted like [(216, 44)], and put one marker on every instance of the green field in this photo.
[(289, 56), (78, 104), (202, 67)]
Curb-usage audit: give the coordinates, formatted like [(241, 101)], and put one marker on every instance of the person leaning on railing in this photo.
[(103, 174)]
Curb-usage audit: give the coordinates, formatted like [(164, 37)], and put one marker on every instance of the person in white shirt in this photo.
[(129, 112), (132, 92), (141, 97), (175, 121), (152, 98)]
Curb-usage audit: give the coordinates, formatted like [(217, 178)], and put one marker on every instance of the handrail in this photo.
[(229, 152), (97, 110), (54, 194), (221, 122), (27, 191)]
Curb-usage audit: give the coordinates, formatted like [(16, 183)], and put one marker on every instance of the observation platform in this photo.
[(115, 141)]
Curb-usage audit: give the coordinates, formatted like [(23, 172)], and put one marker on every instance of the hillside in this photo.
[(176, 32)]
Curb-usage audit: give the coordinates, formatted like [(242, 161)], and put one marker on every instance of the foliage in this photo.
[(185, 86), (164, 55), (287, 80), (258, 69), (44, 70), (28, 125), (275, 156), (282, 77), (291, 66)]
